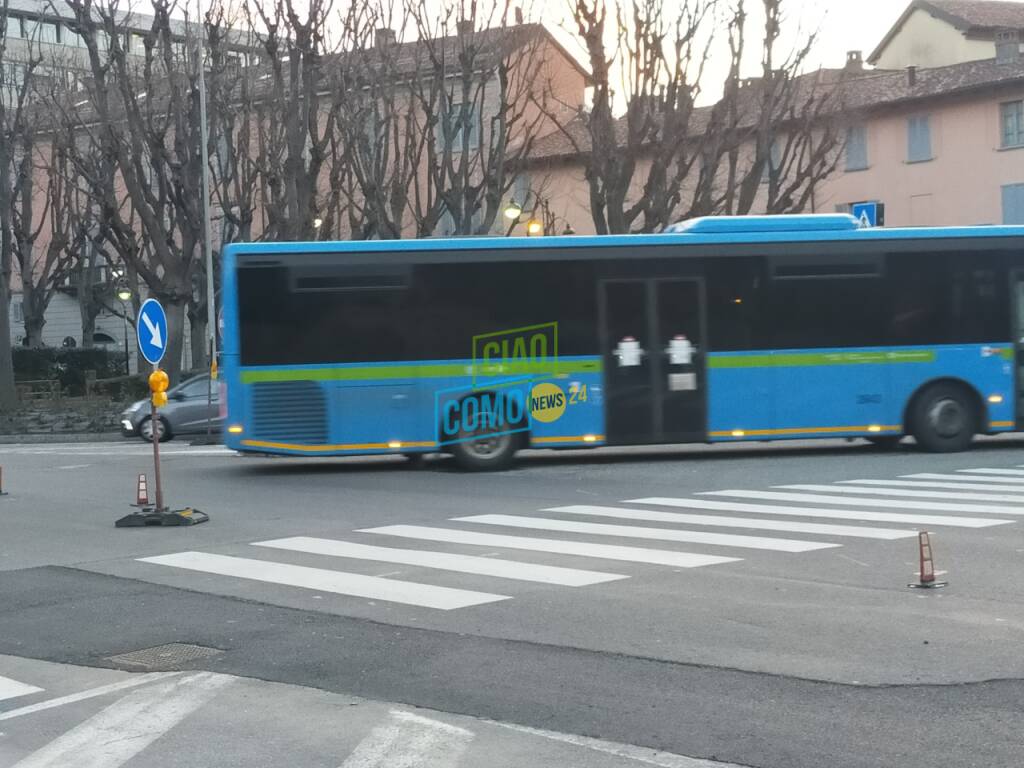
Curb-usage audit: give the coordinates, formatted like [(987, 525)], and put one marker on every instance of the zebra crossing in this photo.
[(712, 528)]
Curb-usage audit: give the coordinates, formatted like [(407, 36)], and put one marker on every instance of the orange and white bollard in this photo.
[(926, 574), (142, 492)]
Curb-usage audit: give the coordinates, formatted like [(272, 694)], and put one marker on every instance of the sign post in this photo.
[(152, 331)]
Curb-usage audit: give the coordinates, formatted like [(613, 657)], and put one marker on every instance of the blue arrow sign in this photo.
[(151, 328)]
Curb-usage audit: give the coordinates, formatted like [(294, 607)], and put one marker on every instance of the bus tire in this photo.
[(945, 418), (487, 453)]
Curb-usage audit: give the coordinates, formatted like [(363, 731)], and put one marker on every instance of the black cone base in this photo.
[(151, 516)]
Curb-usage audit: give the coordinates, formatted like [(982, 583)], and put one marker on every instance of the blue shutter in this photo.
[(919, 139), (856, 148), (1013, 204), (1012, 114)]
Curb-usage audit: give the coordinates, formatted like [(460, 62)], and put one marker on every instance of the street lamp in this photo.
[(124, 294), (513, 210), (534, 228)]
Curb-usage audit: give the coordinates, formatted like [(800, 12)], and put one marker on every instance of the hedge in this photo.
[(66, 365)]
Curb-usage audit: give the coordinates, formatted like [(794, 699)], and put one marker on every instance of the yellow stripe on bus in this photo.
[(573, 439), (343, 447), (869, 429), (1000, 424)]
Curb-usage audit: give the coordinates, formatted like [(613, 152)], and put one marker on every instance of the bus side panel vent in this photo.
[(289, 412)]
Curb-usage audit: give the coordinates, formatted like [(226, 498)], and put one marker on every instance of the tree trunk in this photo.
[(88, 315), (8, 394), (34, 332), (175, 310), (199, 343)]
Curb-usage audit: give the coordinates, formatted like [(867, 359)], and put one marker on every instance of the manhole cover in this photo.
[(167, 656)]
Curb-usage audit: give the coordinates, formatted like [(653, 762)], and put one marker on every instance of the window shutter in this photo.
[(919, 139), (856, 148), (1013, 204)]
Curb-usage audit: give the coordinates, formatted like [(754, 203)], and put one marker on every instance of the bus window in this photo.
[(815, 313), (734, 305)]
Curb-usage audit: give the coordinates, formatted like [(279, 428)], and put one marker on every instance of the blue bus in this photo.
[(723, 329)]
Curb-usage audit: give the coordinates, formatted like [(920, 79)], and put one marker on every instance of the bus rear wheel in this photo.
[(944, 418), (484, 452)]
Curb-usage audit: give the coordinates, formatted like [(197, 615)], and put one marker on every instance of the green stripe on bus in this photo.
[(429, 371), (793, 359), (1007, 354)]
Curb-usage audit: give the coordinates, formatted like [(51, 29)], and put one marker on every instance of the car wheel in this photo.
[(945, 418), (146, 430)]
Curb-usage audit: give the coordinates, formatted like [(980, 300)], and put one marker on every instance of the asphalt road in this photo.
[(678, 600)]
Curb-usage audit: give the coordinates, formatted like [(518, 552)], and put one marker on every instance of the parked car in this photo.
[(186, 412)]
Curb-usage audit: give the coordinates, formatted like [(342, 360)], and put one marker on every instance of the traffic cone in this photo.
[(142, 492), (926, 575)]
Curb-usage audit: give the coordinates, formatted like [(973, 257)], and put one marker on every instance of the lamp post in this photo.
[(124, 294), (513, 210)]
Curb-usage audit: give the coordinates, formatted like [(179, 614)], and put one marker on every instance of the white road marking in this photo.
[(75, 466), (118, 733), (92, 693), (658, 534), (629, 752), (321, 580), (910, 493), (581, 549), (963, 478), (734, 522), (484, 566), (838, 514), (411, 741), (987, 471), (12, 689), (937, 484), (812, 498)]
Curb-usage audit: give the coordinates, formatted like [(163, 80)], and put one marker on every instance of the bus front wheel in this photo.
[(486, 452), (944, 418)]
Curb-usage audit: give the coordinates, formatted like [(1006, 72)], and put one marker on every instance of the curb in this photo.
[(58, 437)]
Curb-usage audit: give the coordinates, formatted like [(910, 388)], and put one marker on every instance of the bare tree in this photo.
[(765, 142), (13, 102), (43, 238), (145, 118)]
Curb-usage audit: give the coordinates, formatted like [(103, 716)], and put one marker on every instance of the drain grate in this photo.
[(162, 657)]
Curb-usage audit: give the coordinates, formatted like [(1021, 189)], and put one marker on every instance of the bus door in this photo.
[(1017, 281), (652, 334)]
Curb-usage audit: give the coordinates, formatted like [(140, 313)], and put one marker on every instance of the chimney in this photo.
[(854, 61), (911, 76), (465, 27), (384, 37), (1007, 46)]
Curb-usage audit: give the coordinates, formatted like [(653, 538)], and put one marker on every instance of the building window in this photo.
[(1013, 204), (40, 31), (1012, 121), (919, 139), (18, 311), (856, 148)]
